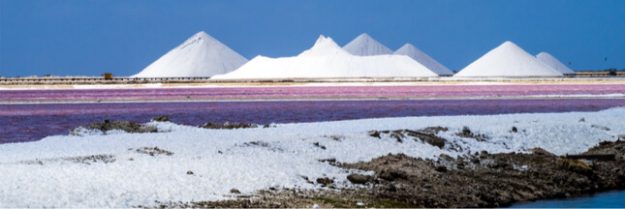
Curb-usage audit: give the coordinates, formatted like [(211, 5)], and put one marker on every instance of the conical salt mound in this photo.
[(199, 56), (327, 60), (424, 59), (324, 46), (554, 63), (507, 60), (365, 45)]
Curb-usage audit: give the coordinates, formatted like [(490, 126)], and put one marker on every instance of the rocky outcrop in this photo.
[(426, 135), (121, 125), (480, 180), (228, 125)]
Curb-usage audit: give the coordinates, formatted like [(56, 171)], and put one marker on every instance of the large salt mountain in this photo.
[(328, 60), (199, 56), (508, 60), (424, 59), (554, 63), (365, 45)]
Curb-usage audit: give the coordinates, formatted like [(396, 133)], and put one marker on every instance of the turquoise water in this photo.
[(615, 199)]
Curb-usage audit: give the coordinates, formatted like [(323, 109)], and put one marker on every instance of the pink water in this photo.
[(344, 92), (32, 122), (28, 122)]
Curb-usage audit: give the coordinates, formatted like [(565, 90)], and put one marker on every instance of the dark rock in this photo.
[(319, 145), (514, 129), (603, 128), (428, 138), (92, 159), (127, 126), (235, 191), (153, 151), (398, 136), (500, 164), (257, 143), (375, 134), (497, 180), (467, 133), (475, 160), (445, 157), (189, 172), (307, 180), (391, 175), (359, 178), (325, 181), (577, 166), (331, 161), (427, 135), (336, 137), (228, 125), (434, 130), (541, 151), (161, 118)]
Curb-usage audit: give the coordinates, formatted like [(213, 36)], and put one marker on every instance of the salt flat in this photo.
[(95, 169)]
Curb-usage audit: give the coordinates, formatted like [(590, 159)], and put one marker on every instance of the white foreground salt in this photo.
[(43, 173)]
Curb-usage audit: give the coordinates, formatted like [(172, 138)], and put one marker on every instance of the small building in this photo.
[(108, 76)]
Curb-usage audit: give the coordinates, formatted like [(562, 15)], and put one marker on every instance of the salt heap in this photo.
[(507, 60), (199, 56), (327, 60), (424, 59), (554, 63), (365, 45)]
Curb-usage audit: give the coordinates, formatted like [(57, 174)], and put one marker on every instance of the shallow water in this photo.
[(615, 199), (29, 122), (309, 92)]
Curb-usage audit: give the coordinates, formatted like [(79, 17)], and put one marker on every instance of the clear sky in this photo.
[(88, 37)]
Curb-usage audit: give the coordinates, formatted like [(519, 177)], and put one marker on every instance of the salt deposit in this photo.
[(327, 60), (199, 56), (508, 60), (554, 63), (423, 58), (365, 45), (187, 163)]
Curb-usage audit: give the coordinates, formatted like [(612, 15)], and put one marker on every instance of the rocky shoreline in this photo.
[(481, 180)]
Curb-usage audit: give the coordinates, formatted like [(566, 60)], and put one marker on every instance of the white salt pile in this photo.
[(554, 63), (424, 59), (199, 56), (327, 60), (365, 45), (508, 60)]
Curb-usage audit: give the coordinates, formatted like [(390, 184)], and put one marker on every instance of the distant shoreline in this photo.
[(200, 82), (91, 101), (355, 91)]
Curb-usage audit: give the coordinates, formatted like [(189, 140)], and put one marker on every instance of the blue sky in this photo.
[(88, 37)]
